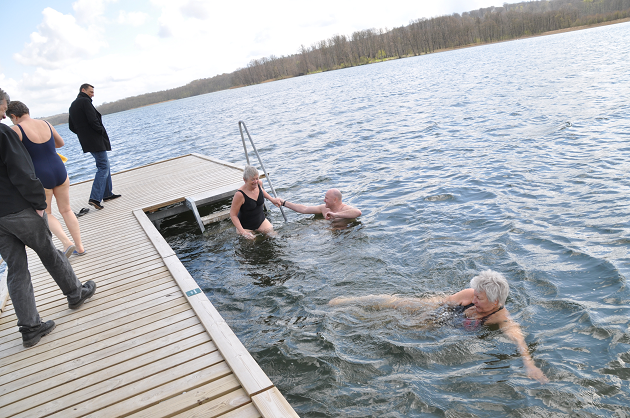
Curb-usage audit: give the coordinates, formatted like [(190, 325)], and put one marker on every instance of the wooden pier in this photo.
[(149, 343)]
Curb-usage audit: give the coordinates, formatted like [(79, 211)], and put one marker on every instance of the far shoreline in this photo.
[(554, 32)]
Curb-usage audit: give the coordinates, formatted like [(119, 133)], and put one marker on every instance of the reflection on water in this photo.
[(511, 156)]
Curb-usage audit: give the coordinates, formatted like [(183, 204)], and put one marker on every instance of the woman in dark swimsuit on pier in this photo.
[(41, 141), (470, 309), (247, 205)]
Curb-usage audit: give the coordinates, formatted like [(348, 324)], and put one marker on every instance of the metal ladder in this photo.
[(241, 126)]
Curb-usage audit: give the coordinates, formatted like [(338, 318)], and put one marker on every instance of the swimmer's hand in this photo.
[(331, 215), (248, 235), (534, 372), (277, 202)]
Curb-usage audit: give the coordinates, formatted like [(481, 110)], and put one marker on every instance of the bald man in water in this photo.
[(333, 207)]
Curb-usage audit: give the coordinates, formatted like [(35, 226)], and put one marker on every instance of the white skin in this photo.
[(482, 307), (250, 188), (89, 91), (333, 207), (39, 132)]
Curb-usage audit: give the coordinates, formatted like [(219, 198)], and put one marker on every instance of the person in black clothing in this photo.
[(86, 122), (23, 222), (247, 205)]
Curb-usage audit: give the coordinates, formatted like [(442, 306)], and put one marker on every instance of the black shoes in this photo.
[(96, 204), (112, 197), (87, 290), (30, 336)]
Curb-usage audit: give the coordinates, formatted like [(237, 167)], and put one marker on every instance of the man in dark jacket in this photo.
[(86, 122), (23, 222)]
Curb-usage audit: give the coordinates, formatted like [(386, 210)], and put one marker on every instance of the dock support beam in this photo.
[(190, 202)]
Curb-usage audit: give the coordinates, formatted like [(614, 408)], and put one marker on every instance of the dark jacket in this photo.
[(85, 121), (19, 186)]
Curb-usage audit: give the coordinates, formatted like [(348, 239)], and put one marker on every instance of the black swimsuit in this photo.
[(455, 316), (251, 213)]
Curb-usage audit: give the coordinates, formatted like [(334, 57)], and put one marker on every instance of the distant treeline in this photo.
[(421, 36)]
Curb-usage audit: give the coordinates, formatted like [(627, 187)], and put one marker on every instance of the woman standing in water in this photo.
[(41, 141), (247, 205), (481, 304)]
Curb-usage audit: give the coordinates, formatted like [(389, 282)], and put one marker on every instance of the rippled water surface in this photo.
[(512, 156)]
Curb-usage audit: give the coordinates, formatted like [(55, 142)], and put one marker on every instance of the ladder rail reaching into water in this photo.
[(241, 126)]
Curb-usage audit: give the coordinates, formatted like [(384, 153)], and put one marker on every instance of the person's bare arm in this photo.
[(463, 297), (303, 209), (58, 139), (17, 131), (237, 202), (513, 331), (276, 201), (348, 212)]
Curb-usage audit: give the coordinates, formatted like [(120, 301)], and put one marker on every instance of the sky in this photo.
[(130, 47)]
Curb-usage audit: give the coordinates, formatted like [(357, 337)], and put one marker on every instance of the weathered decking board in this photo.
[(140, 347)]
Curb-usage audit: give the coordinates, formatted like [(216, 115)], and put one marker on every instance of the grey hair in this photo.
[(493, 284), (250, 172), (5, 96)]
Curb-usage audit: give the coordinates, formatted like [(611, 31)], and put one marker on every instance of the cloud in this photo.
[(59, 39), (132, 18), (89, 11), (196, 9), (165, 31), (146, 41)]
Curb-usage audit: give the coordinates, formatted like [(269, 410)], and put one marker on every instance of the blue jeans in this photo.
[(102, 186), (30, 229)]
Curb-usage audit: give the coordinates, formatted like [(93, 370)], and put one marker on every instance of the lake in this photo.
[(513, 157)]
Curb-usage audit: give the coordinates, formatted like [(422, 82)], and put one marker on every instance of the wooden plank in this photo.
[(81, 319), (214, 160), (177, 396), (161, 246), (84, 328), (156, 270), (49, 308), (246, 411), (245, 367), (215, 217), (219, 406), (138, 381), (90, 362), (271, 403), (73, 381), (140, 330)]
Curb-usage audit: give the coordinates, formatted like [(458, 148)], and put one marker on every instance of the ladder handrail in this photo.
[(242, 125)]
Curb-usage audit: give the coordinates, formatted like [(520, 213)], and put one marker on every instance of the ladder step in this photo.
[(216, 217)]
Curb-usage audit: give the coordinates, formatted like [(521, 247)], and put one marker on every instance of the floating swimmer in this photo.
[(333, 207), (481, 304)]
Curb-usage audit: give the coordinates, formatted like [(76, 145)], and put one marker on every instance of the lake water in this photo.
[(513, 156)]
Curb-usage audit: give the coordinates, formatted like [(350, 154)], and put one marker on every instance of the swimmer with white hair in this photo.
[(247, 210), (332, 208), (481, 304)]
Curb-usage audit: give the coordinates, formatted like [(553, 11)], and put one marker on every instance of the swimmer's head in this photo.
[(250, 173), (493, 284), (332, 198)]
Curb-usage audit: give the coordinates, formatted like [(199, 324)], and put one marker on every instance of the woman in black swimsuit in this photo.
[(247, 206), (481, 304)]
